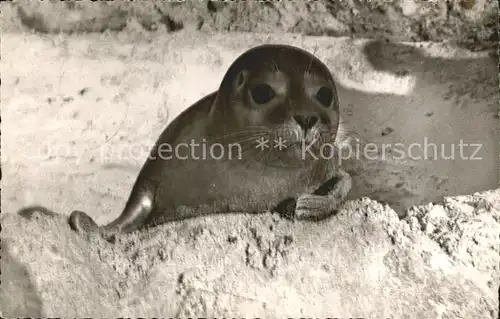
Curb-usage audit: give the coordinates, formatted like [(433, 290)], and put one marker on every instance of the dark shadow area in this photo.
[(464, 75), (18, 296), (452, 101), (31, 212)]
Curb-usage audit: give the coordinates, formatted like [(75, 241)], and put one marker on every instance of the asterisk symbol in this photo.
[(262, 143), (280, 143)]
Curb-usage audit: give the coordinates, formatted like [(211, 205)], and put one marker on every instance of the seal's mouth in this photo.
[(296, 137), (302, 141), (313, 137)]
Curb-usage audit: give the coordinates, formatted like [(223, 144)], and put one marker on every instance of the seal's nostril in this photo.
[(306, 122), (312, 120), (299, 119)]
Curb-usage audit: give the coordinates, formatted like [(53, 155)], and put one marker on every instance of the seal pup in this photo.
[(267, 143)]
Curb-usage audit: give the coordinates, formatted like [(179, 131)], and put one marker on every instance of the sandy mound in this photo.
[(441, 262)]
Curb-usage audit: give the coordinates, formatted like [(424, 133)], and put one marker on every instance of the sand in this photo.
[(80, 113)]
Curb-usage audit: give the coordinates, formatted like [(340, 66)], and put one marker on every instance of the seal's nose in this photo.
[(306, 122)]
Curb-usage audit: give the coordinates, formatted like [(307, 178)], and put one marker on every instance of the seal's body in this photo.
[(256, 144)]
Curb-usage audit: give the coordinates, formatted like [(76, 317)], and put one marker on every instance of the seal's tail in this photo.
[(82, 223)]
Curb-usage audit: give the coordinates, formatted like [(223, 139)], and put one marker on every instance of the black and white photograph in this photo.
[(250, 159)]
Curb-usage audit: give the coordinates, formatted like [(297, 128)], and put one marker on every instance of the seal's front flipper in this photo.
[(326, 200), (315, 207), (82, 223)]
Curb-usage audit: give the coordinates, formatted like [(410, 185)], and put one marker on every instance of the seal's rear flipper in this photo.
[(82, 223)]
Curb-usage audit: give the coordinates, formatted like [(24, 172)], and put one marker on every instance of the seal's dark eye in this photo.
[(262, 93), (324, 96)]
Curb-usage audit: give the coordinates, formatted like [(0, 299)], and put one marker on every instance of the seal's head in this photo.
[(282, 89)]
